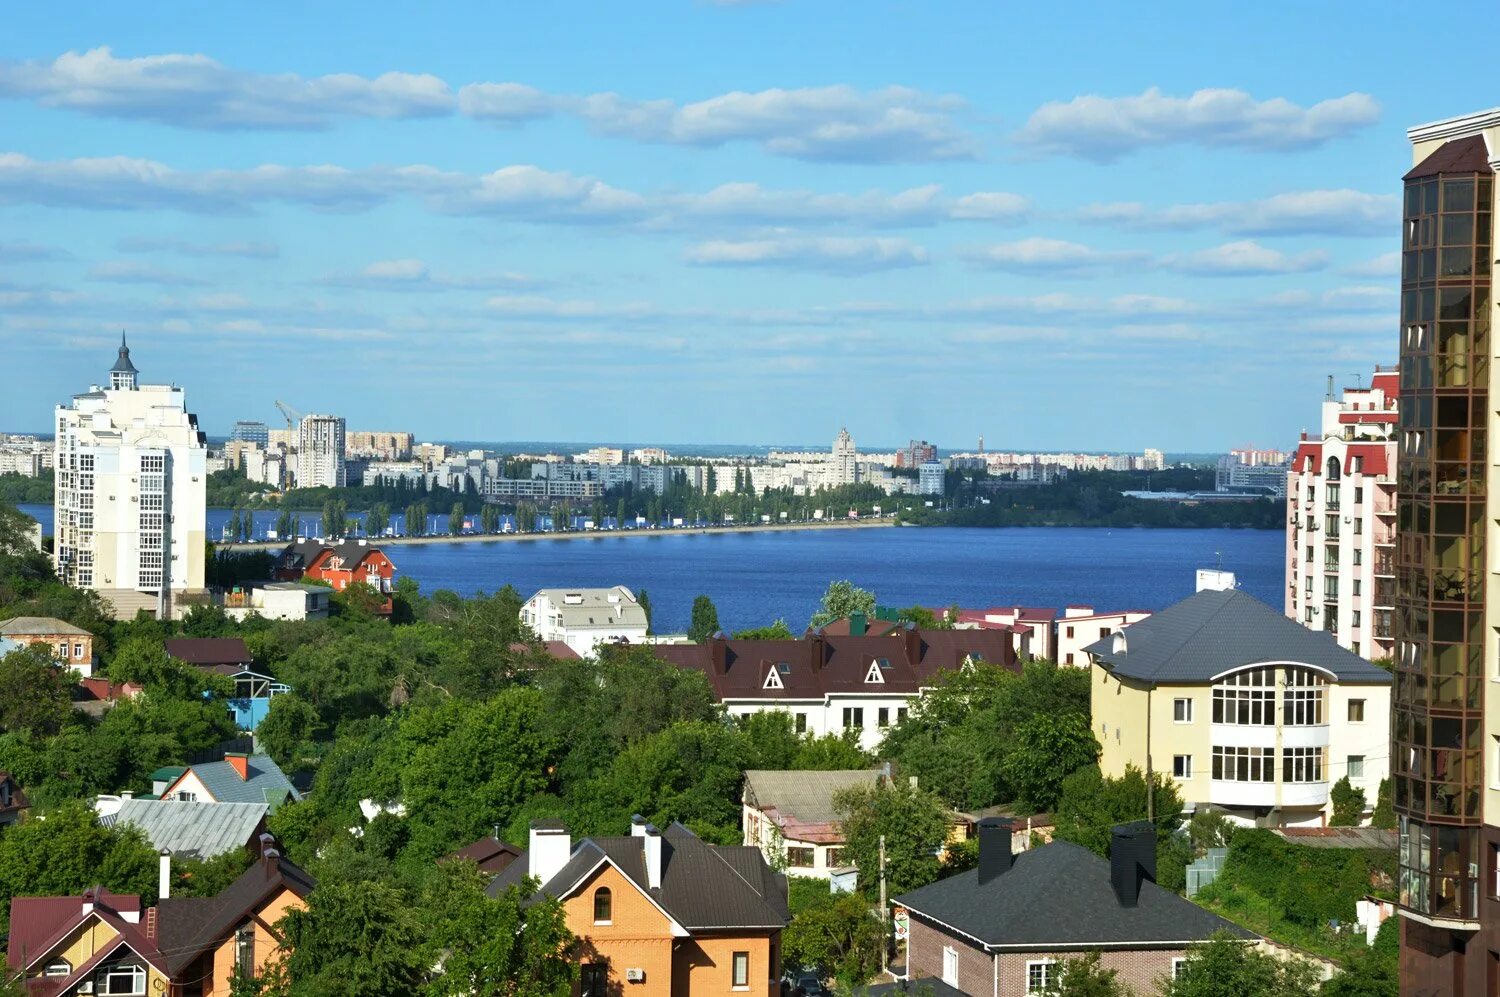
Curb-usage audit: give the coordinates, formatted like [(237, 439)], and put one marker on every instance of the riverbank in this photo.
[(470, 538)]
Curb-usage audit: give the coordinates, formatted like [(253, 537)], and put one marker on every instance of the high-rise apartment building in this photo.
[(378, 445), (845, 459), (915, 454), (320, 452), (1341, 520), (251, 432), (1445, 755), (130, 496)]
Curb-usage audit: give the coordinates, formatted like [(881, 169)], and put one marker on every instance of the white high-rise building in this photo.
[(845, 459), (131, 494), (1341, 520), (320, 452)]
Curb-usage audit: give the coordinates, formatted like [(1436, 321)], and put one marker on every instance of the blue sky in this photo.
[(1060, 227)]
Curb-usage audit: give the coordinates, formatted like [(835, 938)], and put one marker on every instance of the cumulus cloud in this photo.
[(133, 272), (243, 249), (1055, 256), (1105, 128), (1243, 259), (195, 91), (1309, 212), (831, 254), (415, 275)]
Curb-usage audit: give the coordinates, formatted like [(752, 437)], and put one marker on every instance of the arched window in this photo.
[(603, 905), (1333, 469)]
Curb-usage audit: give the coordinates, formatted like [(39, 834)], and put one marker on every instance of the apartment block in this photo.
[(1341, 520), (321, 452)]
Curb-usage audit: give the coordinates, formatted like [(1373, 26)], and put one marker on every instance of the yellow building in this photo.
[(660, 912), (1249, 712)]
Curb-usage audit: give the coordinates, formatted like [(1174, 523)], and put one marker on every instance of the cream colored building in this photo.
[(585, 618), (130, 498), (1247, 711), (320, 452)]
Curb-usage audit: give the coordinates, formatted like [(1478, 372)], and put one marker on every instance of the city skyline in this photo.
[(524, 240)]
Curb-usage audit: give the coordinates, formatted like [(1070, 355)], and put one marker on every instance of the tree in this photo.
[(645, 601), (1084, 977), (1227, 965), (1046, 749), (456, 519), (776, 631), (500, 946), (378, 520), (1384, 816), (705, 622), (335, 518), (913, 822), (416, 519), (1372, 972), (288, 729), (355, 937), (1348, 804), (35, 696), (838, 934), (69, 852), (840, 600)]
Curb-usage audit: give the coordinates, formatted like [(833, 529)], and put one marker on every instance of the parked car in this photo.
[(808, 985)]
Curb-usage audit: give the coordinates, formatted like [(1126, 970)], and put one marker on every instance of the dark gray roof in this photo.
[(703, 887), (1213, 632), (266, 783), (1060, 894), (122, 362)]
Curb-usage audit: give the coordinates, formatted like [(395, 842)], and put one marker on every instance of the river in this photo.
[(754, 578)]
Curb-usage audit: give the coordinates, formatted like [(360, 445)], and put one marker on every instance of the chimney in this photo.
[(90, 895), (266, 841), (548, 849), (858, 623), (718, 653), (817, 646), (995, 857), (270, 860), (164, 875), (637, 826), (651, 842), (913, 638), (240, 762), (1132, 859)]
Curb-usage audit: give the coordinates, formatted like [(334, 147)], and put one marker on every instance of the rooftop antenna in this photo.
[(1218, 560)]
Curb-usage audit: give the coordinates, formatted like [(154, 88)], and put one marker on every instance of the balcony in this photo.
[(1385, 565)]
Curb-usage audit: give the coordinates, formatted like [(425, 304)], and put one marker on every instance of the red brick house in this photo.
[(340, 565)]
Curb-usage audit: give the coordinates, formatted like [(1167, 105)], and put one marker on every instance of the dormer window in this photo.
[(874, 675), (58, 967), (773, 679)]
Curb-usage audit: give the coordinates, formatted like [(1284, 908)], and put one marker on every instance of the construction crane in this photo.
[(293, 417)]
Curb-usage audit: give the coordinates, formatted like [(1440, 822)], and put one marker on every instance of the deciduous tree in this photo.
[(705, 621), (35, 692), (841, 599), (913, 822)]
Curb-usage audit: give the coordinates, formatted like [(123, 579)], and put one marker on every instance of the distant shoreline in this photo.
[(836, 524)]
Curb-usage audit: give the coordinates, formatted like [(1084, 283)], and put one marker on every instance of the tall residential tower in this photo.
[(320, 452), (1445, 755), (130, 499)]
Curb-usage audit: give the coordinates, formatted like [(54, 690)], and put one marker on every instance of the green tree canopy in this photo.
[(35, 692), (705, 621), (1043, 747), (1228, 966), (840, 600), (69, 852), (914, 823), (356, 937)]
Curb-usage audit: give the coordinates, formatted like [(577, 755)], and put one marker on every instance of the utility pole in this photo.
[(884, 929)]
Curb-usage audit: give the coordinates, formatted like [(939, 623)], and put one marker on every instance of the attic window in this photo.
[(773, 679), (784, 668), (58, 967), (873, 675)]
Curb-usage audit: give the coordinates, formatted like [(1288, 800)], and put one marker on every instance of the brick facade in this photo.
[(976, 969), (1139, 969)]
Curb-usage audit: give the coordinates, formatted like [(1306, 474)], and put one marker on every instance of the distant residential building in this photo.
[(1250, 713), (791, 817), (650, 455), (24, 455), (239, 778), (1033, 628), (489, 854), (541, 489), (585, 618), (321, 452), (931, 478), (378, 445), (131, 495), (915, 454), (229, 657), (430, 454), (1236, 475), (340, 565), (830, 684), (1341, 520), (845, 459), (257, 433), (13, 802), (1153, 460), (1081, 626), (601, 455), (1258, 458), (391, 473), (660, 911), (278, 601), (71, 647), (1006, 926)]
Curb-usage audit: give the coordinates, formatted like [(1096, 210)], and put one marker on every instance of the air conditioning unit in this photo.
[(86, 987), (635, 976)]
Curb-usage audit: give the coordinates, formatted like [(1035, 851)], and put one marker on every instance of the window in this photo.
[(883, 717), (1246, 698), (801, 723), (1070, 631), (1182, 766), (59, 967), (186, 797), (1038, 975), (1302, 764), (603, 906), (1303, 699), (1356, 711), (950, 965), (833, 857), (1182, 711), (121, 981), (1356, 766), (1244, 764), (594, 980), (873, 675), (799, 857), (901, 714), (1178, 966), (854, 716), (741, 970), (244, 950), (78, 651)]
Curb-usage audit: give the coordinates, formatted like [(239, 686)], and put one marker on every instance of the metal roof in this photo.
[(194, 829), (122, 362), (804, 795), (266, 782), (28, 625)]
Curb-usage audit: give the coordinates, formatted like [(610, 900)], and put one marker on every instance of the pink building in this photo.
[(1080, 626), (1341, 520)]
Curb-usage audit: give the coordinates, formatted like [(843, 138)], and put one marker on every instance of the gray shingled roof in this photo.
[(1060, 894), (1213, 632), (267, 783), (29, 625), (193, 828), (803, 795), (703, 887)]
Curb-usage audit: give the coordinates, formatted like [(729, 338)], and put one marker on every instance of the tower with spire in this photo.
[(122, 376)]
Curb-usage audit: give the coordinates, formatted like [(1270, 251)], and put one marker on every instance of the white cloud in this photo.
[(1243, 258), (1039, 255), (415, 275), (1104, 128), (195, 91), (396, 270), (835, 254), (1309, 212), (30, 252), (508, 103), (244, 249), (531, 192), (132, 272), (991, 206), (1384, 265)]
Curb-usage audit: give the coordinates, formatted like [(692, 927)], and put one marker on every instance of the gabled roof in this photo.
[(266, 782), (187, 926), (1213, 632), (306, 554), (193, 828), (801, 803), (1061, 894), (25, 626), (1461, 155), (38, 925), (210, 650), (489, 853), (703, 887)]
